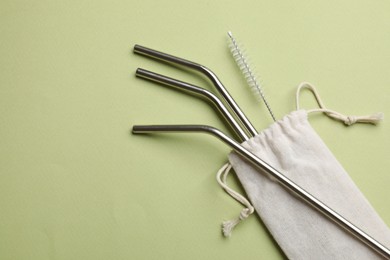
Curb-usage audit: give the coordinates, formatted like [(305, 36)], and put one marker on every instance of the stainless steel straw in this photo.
[(208, 73), (283, 180), (192, 89)]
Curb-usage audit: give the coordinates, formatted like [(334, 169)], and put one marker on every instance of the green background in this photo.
[(76, 184)]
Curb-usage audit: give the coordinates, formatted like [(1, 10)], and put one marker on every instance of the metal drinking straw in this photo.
[(205, 71), (283, 180), (197, 91)]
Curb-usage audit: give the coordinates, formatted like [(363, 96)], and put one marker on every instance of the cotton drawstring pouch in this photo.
[(293, 147)]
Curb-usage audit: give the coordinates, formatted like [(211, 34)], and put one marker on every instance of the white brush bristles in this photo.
[(248, 73)]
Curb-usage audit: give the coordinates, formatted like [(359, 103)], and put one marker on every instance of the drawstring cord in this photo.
[(348, 120), (227, 226)]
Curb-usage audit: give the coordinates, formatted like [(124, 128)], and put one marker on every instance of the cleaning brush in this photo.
[(248, 73)]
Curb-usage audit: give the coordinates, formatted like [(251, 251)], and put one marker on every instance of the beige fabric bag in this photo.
[(293, 147)]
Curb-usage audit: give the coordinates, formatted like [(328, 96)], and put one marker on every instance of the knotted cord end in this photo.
[(229, 225), (371, 119)]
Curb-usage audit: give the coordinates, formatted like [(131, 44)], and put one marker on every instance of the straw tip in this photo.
[(138, 49), (135, 129)]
